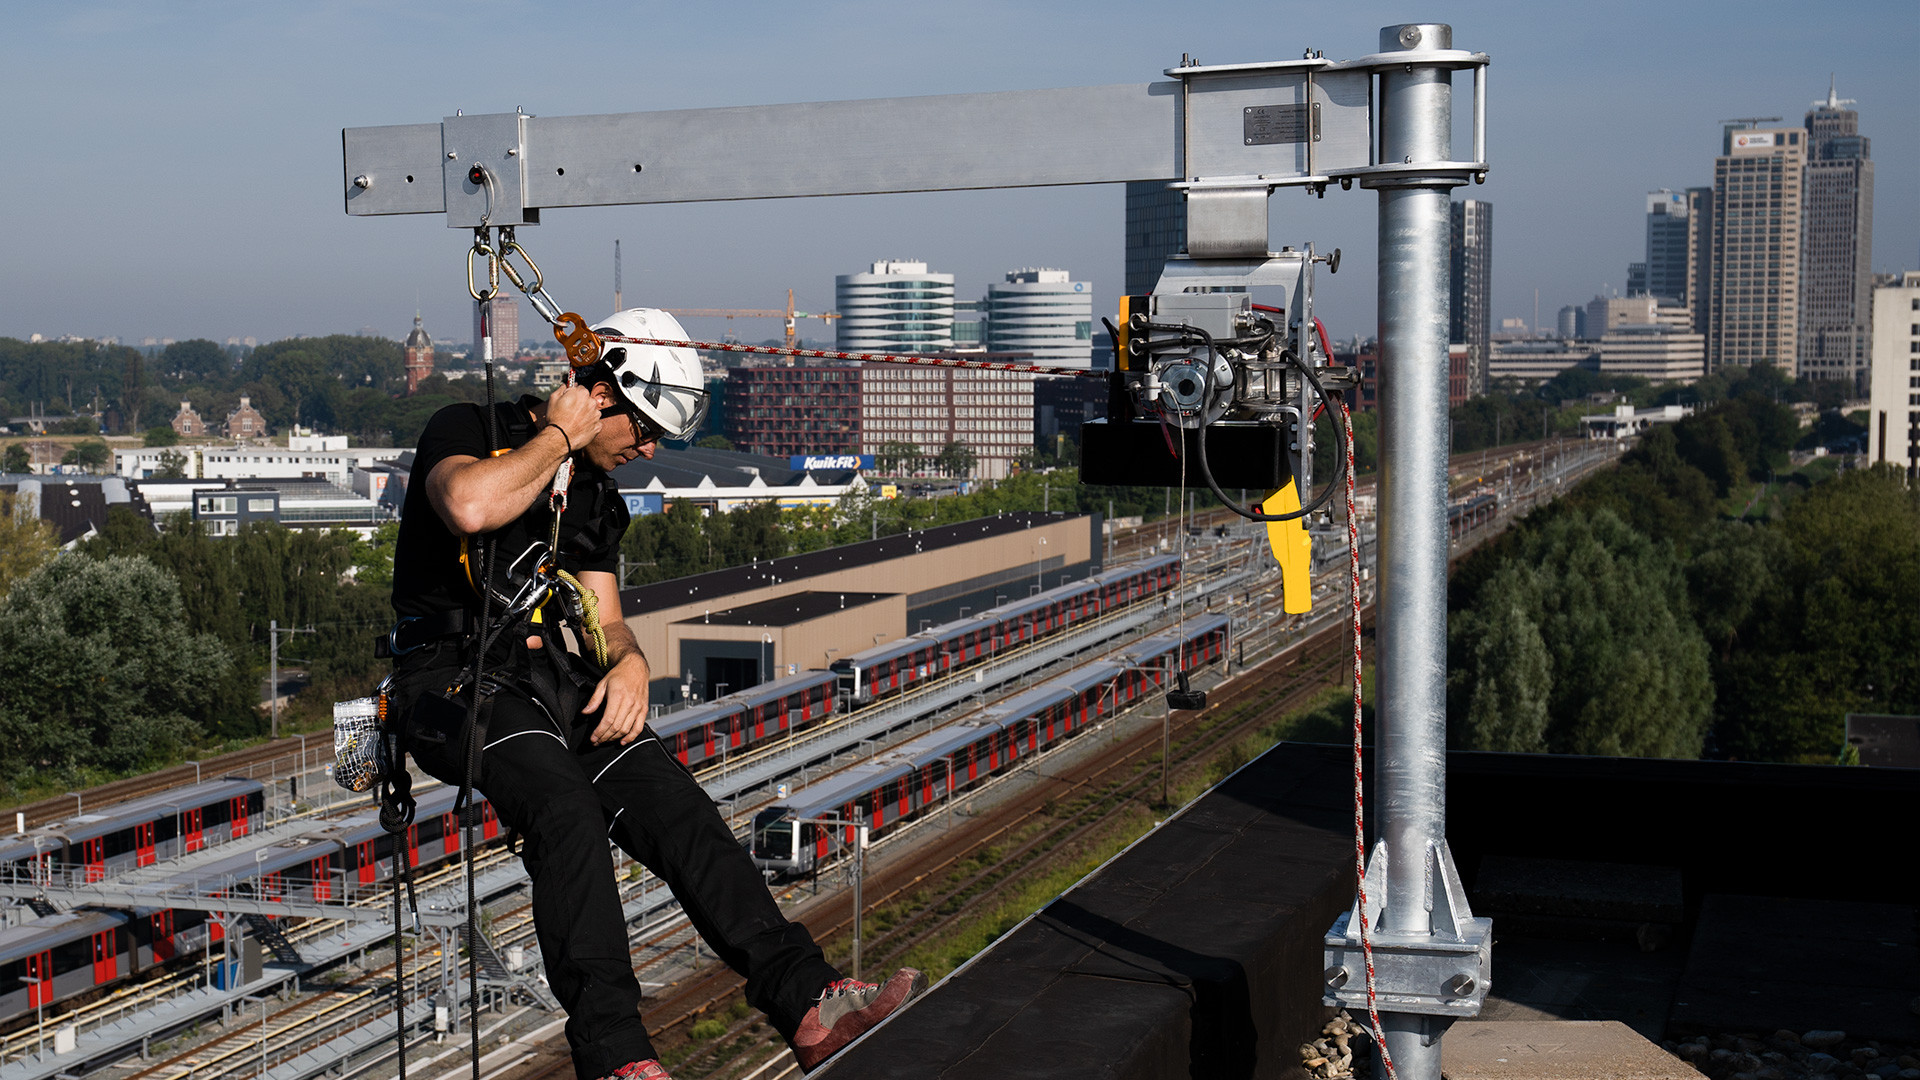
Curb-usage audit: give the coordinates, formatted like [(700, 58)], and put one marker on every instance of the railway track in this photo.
[(1033, 824)]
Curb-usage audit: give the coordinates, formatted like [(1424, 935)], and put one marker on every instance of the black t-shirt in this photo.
[(428, 576)]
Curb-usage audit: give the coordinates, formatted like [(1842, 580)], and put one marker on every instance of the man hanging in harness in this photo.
[(566, 758)]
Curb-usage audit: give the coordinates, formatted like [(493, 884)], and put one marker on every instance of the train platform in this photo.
[(1197, 951)]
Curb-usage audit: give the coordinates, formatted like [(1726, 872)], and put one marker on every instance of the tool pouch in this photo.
[(357, 729)]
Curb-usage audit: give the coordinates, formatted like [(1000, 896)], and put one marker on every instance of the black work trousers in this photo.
[(567, 798)]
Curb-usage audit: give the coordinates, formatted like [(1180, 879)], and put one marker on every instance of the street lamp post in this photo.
[(859, 825), (39, 1016)]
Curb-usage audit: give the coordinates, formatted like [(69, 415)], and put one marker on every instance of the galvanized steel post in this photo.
[(1416, 125)]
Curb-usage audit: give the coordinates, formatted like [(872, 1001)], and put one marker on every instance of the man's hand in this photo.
[(573, 410), (624, 693)]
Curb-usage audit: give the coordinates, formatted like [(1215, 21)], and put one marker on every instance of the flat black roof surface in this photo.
[(726, 468), (720, 584), (787, 610)]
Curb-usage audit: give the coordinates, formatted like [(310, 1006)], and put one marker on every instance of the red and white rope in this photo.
[(1359, 798), (882, 358)]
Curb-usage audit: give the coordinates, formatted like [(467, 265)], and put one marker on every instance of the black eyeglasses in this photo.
[(644, 429)]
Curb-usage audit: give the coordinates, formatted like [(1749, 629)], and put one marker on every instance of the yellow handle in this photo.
[(1292, 549)]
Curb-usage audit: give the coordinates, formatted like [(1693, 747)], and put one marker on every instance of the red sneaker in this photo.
[(640, 1070), (846, 1010)]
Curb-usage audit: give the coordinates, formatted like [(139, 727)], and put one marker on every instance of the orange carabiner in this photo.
[(582, 344)]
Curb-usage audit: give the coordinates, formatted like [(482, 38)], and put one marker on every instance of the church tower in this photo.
[(419, 355)]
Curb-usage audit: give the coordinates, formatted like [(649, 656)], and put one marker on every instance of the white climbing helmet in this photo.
[(662, 383)]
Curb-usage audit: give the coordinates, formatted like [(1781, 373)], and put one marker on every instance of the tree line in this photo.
[(138, 645), (1653, 612), (338, 384)]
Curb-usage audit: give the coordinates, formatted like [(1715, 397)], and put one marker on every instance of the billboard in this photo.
[(1745, 139), (642, 503), (820, 462)]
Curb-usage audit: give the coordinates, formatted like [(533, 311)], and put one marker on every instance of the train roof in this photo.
[(1151, 562), (245, 865), (773, 690), (120, 815), (53, 931), (828, 796), (1162, 644), (1028, 702), (1011, 609), (364, 826)]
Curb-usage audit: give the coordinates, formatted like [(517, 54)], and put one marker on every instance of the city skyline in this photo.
[(188, 172)]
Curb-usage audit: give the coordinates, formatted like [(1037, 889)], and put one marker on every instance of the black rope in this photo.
[(470, 765)]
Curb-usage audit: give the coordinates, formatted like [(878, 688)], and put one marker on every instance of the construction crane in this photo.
[(790, 315)]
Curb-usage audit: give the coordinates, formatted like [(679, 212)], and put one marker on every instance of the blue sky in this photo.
[(174, 167)]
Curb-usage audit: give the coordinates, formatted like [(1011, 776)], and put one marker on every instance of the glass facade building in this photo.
[(897, 307)]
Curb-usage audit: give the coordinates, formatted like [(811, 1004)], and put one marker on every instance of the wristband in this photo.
[(563, 435)]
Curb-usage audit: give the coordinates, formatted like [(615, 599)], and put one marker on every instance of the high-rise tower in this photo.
[(1668, 227), (419, 355), (1470, 315), (1753, 312), (505, 318), (1837, 279)]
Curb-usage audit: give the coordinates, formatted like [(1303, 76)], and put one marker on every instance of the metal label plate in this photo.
[(1266, 125)]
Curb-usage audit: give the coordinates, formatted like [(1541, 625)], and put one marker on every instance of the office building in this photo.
[(1893, 404), (1043, 314), (1156, 229), (897, 307), (419, 355), (782, 411), (1470, 272), (1608, 313), (869, 408), (1753, 310), (1699, 254), (505, 317), (1669, 233), (1534, 362), (929, 407), (1836, 283), (1655, 352)]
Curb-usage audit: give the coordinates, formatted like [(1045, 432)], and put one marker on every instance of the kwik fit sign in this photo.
[(828, 462)]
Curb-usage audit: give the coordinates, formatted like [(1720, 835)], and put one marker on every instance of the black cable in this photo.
[(470, 766), (1206, 404)]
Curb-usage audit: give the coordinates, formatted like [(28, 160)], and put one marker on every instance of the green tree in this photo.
[(26, 540), (1511, 675), (173, 466), (714, 442), (91, 455), (1626, 670), (1830, 627), (161, 435), (896, 457), (17, 459), (957, 459), (94, 668)]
